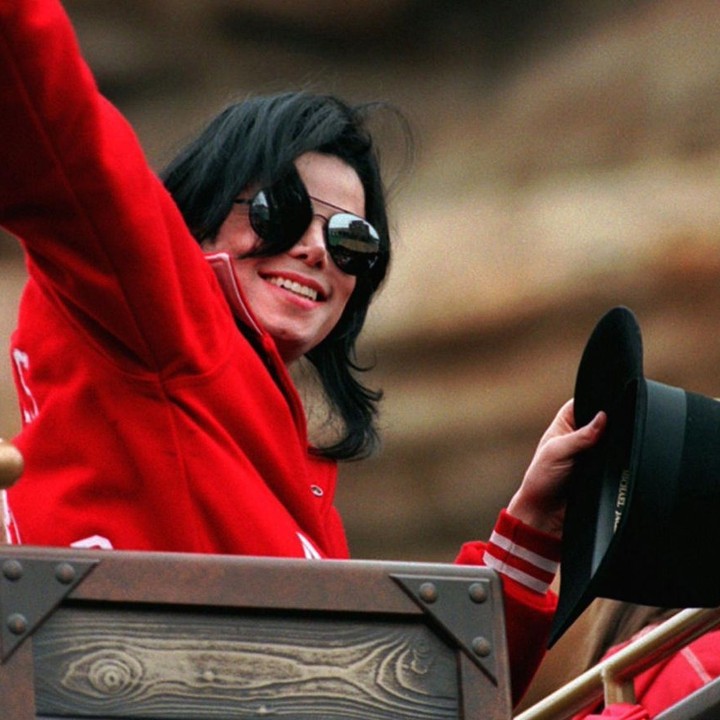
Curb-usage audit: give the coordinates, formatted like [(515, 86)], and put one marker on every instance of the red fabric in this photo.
[(528, 613), (523, 553), (668, 682), (150, 421), (622, 711)]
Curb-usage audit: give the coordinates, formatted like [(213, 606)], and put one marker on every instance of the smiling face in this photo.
[(298, 296)]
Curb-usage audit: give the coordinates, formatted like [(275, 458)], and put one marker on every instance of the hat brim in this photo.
[(610, 371)]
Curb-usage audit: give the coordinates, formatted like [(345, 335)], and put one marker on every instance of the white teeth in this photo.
[(294, 287)]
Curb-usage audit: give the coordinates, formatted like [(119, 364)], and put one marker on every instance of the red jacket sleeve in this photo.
[(103, 237), (526, 561)]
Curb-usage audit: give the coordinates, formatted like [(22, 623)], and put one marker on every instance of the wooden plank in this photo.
[(167, 635), (173, 578), (17, 691), (158, 664)]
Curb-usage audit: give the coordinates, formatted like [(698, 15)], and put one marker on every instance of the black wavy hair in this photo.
[(255, 142)]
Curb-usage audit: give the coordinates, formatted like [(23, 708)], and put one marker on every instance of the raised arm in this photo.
[(99, 229)]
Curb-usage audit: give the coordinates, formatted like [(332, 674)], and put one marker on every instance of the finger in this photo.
[(594, 429), (566, 446)]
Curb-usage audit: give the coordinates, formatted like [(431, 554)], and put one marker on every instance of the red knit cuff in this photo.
[(521, 552)]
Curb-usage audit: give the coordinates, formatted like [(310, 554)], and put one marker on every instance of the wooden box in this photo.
[(159, 636)]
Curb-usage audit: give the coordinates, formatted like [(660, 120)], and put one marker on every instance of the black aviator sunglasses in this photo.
[(281, 214)]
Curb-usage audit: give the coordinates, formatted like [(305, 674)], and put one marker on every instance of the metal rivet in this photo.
[(17, 624), (478, 592), (481, 646), (12, 569), (428, 592), (65, 573), (316, 490)]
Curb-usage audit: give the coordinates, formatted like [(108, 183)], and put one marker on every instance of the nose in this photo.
[(310, 248)]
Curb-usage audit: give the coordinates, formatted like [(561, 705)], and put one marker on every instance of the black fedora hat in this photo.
[(643, 517)]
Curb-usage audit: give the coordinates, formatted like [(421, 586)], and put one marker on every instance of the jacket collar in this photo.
[(225, 274)]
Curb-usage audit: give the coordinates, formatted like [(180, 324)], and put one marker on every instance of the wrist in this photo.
[(523, 553), (542, 519)]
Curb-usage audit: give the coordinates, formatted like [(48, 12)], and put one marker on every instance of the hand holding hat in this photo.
[(541, 498)]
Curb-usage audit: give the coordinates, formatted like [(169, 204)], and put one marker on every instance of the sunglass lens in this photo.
[(281, 213), (261, 215), (353, 243)]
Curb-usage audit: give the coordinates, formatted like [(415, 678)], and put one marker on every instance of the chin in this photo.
[(290, 348)]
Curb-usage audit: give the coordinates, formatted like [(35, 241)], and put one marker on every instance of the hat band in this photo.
[(661, 449)]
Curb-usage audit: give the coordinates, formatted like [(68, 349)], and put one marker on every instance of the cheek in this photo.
[(343, 290), (235, 237)]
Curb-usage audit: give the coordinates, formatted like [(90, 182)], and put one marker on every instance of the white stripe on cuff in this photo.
[(533, 558), (518, 575)]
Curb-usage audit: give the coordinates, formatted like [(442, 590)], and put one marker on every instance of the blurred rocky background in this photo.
[(567, 160)]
